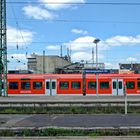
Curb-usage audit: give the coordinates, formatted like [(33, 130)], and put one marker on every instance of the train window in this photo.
[(53, 85), (130, 85), (120, 84), (138, 84), (47, 85), (104, 85), (25, 85), (76, 85), (114, 85), (91, 85), (13, 85), (37, 85), (64, 85)]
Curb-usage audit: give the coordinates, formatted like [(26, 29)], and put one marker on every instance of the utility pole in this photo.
[(68, 54), (96, 41), (61, 51), (92, 55), (3, 49), (44, 66)]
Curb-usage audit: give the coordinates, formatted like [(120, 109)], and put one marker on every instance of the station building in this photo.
[(40, 64)]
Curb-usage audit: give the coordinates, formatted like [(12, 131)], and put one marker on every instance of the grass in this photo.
[(67, 132), (67, 110)]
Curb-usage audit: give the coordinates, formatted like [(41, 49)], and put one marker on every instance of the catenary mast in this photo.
[(3, 49)]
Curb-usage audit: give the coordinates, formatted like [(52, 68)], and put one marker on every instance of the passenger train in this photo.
[(73, 84)]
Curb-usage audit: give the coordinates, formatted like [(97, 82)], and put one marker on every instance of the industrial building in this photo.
[(40, 64), (78, 67), (129, 67), (46, 64)]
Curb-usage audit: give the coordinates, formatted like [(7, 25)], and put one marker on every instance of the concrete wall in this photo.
[(47, 64)]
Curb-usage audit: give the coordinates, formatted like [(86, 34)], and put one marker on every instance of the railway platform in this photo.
[(57, 101), (72, 99)]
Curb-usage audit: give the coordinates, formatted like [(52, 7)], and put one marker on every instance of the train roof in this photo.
[(70, 76)]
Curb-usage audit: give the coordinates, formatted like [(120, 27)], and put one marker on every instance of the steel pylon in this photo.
[(3, 49)]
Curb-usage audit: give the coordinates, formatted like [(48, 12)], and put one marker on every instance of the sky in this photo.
[(37, 25)]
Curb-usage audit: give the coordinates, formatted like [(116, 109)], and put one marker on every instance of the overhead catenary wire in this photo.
[(74, 20), (16, 21), (77, 3), (68, 43), (18, 31), (68, 21), (18, 61)]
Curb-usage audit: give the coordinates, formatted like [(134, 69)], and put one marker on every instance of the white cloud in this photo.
[(17, 61), (79, 31), (131, 59), (78, 56), (59, 4), (21, 57), (82, 45), (86, 56), (38, 13), (20, 66), (23, 37), (123, 40), (111, 65), (85, 43), (56, 47)]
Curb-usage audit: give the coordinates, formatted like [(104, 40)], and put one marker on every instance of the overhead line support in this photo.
[(3, 49)]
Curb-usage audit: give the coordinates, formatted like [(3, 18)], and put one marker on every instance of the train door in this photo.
[(50, 87), (117, 87)]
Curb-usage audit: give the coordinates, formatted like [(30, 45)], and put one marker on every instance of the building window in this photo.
[(13, 85), (130, 85), (37, 85), (91, 85), (104, 85), (25, 85), (76, 85), (64, 85)]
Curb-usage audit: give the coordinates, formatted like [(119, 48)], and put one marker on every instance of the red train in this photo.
[(73, 84)]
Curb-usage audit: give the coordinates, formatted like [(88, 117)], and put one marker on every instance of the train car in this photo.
[(73, 84), (26, 84)]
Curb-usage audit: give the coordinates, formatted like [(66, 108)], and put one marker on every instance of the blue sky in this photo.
[(43, 26)]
